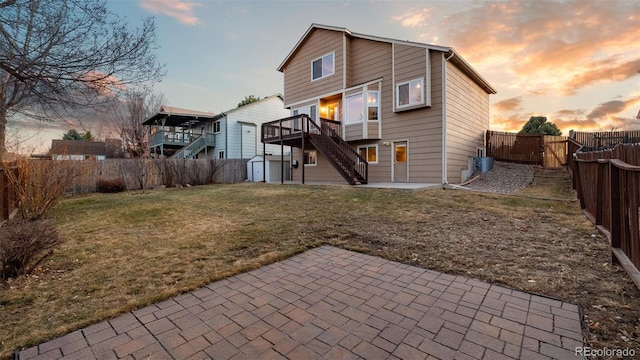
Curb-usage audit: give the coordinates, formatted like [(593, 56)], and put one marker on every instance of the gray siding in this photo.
[(255, 113)]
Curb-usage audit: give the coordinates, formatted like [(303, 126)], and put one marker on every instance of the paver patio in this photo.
[(334, 304)]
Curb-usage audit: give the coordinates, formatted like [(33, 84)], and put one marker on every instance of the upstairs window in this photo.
[(216, 127), (323, 67), (372, 105), (354, 109), (410, 93)]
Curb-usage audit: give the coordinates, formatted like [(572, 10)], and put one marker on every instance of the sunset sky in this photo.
[(576, 62)]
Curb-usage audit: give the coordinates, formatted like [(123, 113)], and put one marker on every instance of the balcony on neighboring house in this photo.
[(180, 133)]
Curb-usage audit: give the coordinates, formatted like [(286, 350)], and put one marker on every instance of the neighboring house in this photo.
[(415, 112), (85, 150), (233, 134)]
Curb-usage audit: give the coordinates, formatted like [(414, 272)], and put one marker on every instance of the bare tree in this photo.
[(127, 115), (65, 54)]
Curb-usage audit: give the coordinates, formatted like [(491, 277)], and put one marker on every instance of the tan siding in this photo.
[(467, 120), (297, 73), (353, 132), (321, 172), (410, 63), (369, 60), (421, 127), (373, 130)]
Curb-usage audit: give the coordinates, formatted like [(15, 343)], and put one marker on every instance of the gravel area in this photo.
[(504, 178)]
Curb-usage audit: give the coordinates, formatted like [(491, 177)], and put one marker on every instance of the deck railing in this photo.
[(294, 127), (164, 137)]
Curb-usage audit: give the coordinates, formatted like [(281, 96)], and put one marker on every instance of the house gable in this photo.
[(298, 71)]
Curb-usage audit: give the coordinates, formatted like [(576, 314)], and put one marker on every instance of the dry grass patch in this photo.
[(122, 252)]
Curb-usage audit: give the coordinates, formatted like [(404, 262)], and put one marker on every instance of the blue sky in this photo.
[(574, 61)]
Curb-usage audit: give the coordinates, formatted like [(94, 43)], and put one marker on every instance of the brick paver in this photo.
[(329, 303)]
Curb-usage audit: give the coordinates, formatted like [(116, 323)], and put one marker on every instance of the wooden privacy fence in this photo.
[(536, 149), (603, 140), (134, 173), (608, 187), (149, 173)]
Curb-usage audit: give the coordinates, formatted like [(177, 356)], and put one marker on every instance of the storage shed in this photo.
[(273, 168)]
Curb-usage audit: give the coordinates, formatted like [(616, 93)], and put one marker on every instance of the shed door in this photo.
[(249, 141)]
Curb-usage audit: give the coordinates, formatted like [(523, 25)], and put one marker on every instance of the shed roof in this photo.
[(455, 57)]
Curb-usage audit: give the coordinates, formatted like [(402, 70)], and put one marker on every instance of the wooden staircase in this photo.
[(346, 160), (295, 130), (192, 149)]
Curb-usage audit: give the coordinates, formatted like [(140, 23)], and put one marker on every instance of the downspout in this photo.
[(226, 137), (445, 181)]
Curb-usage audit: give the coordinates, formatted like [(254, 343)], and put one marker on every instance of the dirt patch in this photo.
[(541, 246)]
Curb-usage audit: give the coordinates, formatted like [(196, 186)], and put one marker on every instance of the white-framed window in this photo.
[(410, 93), (354, 109), (373, 105), (310, 158), (323, 66), (216, 127), (221, 154), (369, 153)]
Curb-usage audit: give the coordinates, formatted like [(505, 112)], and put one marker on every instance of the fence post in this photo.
[(488, 143), (616, 209), (578, 184), (600, 194)]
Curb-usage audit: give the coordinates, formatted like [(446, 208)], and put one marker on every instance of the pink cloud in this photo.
[(609, 69), (414, 18), (183, 11), (608, 109), (546, 46), (510, 104)]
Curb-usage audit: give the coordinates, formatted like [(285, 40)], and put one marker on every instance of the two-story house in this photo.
[(233, 134), (373, 109)]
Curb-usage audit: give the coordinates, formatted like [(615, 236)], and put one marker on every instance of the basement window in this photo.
[(310, 158), (369, 153)]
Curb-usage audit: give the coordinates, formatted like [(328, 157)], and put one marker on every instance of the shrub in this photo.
[(111, 186), (24, 244), (39, 184)]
